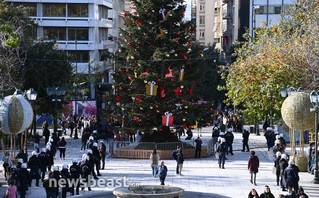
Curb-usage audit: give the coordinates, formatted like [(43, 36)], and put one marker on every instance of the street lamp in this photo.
[(56, 92), (32, 96), (314, 98)]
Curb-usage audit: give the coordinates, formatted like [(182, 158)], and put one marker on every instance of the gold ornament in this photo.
[(157, 55)]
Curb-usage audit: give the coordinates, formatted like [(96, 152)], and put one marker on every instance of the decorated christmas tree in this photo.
[(156, 71)]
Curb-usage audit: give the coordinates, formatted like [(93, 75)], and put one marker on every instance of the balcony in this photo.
[(227, 16)]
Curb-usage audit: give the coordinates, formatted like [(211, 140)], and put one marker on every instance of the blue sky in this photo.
[(188, 9)]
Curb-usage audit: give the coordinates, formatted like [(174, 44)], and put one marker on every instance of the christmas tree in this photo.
[(156, 71)]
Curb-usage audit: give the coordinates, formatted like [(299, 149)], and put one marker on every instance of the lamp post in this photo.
[(314, 98), (56, 92), (32, 96)]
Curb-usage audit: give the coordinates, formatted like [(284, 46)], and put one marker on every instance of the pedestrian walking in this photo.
[(57, 176), (154, 157), (62, 147), (245, 140), (283, 163), (229, 136), (65, 175), (103, 153), (174, 156), (24, 180), (253, 165), (49, 188), (253, 194), (22, 155), (37, 142), (34, 164), (292, 175), (267, 193), (75, 172), (45, 131), (162, 172), (86, 170), (215, 135), (43, 159), (91, 159), (180, 160), (7, 163), (198, 148), (277, 166), (11, 191), (97, 158), (50, 157), (221, 149)]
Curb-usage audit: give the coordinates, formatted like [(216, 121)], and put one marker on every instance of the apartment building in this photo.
[(84, 29), (267, 12)]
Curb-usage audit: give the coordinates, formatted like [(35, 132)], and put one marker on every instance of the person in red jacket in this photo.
[(253, 165)]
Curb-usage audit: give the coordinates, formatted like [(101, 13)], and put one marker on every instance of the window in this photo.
[(53, 10), (202, 20), (79, 56), (103, 34), (271, 10), (202, 7), (78, 10), (201, 33), (261, 10), (54, 33), (216, 11), (103, 12), (79, 34)]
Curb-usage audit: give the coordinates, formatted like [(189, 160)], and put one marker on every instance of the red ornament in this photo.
[(182, 53), (138, 99), (162, 88), (207, 123), (130, 34), (190, 91), (178, 33), (121, 88), (176, 41), (138, 47), (211, 109), (159, 80), (129, 44), (130, 78), (127, 70), (178, 91), (117, 98), (140, 22), (170, 75), (148, 115), (172, 79), (183, 15), (185, 57), (182, 100), (111, 118), (133, 22), (125, 14), (156, 106), (146, 11), (161, 129)]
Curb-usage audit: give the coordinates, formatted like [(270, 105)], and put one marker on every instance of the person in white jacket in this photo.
[(154, 161)]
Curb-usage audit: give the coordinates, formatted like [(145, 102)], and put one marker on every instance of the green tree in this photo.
[(46, 66), (158, 48)]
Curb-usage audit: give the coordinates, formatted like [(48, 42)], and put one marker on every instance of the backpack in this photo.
[(174, 155)]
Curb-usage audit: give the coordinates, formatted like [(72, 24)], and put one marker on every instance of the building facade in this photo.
[(86, 30), (267, 12)]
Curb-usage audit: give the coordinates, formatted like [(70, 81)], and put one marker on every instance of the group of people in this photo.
[(267, 193)]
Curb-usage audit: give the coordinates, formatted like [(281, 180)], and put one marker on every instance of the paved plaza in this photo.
[(200, 177)]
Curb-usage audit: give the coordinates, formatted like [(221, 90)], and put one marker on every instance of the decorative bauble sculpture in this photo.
[(296, 112), (16, 114)]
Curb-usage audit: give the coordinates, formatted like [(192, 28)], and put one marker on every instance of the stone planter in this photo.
[(148, 191)]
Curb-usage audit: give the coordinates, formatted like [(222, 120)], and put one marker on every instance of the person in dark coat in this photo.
[(75, 172), (283, 163), (50, 190), (24, 180), (22, 155), (301, 192), (56, 175), (198, 148), (277, 166), (253, 165), (270, 137), (229, 136), (253, 194), (65, 175), (14, 176), (292, 175), (103, 153), (45, 131), (215, 135), (221, 149), (50, 157), (34, 164), (62, 147), (245, 140), (37, 142), (97, 158), (180, 160), (86, 170), (43, 159), (162, 172), (91, 160), (267, 193)]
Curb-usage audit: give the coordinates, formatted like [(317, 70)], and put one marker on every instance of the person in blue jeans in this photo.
[(162, 172), (221, 149)]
